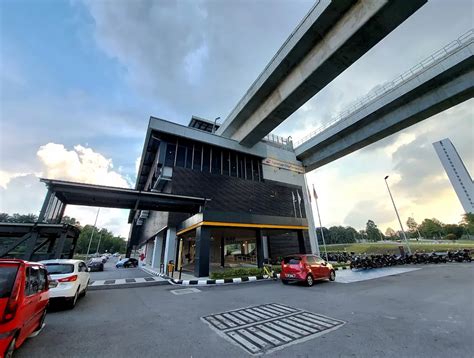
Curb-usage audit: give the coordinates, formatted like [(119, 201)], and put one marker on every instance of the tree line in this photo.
[(108, 241), (428, 229)]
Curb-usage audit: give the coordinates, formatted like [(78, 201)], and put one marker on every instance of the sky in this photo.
[(80, 79)]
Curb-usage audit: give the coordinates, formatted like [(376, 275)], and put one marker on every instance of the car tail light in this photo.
[(68, 279), (12, 304)]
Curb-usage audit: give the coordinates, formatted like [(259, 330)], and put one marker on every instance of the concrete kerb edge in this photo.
[(224, 281)]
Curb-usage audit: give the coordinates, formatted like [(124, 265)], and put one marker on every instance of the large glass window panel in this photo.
[(216, 161), (233, 164), (181, 156), (225, 162), (189, 156), (241, 166), (248, 168), (206, 159), (197, 157), (256, 174), (170, 154)]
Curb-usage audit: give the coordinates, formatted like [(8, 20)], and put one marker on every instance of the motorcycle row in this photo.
[(386, 260)]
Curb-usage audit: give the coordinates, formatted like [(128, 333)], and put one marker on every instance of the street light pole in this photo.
[(214, 126), (398, 216)]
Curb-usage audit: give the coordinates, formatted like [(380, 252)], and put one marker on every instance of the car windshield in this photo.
[(59, 269), (292, 260), (96, 260), (7, 278)]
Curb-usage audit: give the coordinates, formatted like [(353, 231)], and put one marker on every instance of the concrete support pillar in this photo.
[(259, 248), (170, 245), (156, 257), (201, 263), (313, 240), (301, 246), (60, 245), (266, 255), (222, 251)]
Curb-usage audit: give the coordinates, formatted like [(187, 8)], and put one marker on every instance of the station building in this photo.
[(256, 205)]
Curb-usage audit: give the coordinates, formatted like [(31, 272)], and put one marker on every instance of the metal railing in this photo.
[(380, 91), (282, 142)]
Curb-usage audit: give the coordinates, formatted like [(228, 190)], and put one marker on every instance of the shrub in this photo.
[(450, 237), (237, 272)]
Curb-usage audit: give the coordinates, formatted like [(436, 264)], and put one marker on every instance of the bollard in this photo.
[(162, 268), (180, 271), (171, 268)]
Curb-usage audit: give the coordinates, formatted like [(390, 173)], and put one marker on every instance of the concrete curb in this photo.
[(224, 281), (342, 268), (125, 283)]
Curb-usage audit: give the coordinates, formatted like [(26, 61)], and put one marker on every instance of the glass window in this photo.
[(233, 164), (59, 269), (310, 259), (197, 157), (248, 168), (241, 167), (256, 174), (225, 162), (42, 279), (216, 161), (170, 153), (181, 156), (292, 260), (189, 156), (32, 280), (7, 279), (206, 158)]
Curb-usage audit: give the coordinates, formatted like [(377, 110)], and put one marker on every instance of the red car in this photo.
[(24, 297), (306, 268)]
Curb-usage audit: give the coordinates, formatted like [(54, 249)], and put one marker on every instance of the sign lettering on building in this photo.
[(284, 165)]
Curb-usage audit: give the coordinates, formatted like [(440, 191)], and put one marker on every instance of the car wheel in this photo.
[(84, 293), (11, 348), (285, 282), (332, 275), (309, 280), (73, 302)]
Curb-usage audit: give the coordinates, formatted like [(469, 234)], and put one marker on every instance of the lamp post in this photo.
[(214, 126), (398, 216)]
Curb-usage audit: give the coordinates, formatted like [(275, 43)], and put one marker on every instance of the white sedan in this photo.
[(69, 279)]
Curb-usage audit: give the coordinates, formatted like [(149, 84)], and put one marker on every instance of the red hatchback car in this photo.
[(306, 268), (24, 297)]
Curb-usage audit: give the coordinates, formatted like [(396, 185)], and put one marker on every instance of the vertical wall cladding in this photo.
[(156, 220), (239, 195), (281, 243)]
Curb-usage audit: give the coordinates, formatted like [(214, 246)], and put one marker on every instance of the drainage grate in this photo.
[(130, 280), (270, 327), (184, 291), (109, 282), (149, 279)]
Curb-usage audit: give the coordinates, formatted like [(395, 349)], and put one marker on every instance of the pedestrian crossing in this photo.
[(265, 328)]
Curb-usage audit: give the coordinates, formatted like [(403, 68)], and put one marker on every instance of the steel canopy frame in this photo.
[(71, 193)]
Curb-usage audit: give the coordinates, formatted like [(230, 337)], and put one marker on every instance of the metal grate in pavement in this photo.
[(184, 291), (109, 282), (266, 328), (130, 280), (149, 279)]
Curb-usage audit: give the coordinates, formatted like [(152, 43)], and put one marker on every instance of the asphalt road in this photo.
[(423, 313), (110, 272)]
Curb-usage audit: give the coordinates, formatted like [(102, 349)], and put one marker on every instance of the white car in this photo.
[(69, 279)]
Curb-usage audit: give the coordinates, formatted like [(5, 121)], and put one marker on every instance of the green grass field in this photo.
[(392, 248)]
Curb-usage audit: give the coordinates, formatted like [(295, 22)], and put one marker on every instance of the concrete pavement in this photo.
[(423, 313)]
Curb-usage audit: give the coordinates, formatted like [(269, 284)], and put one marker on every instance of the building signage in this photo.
[(284, 165)]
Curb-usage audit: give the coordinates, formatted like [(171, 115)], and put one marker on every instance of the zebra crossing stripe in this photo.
[(275, 333), (265, 328), (226, 321), (283, 330), (249, 346), (264, 335), (234, 319), (253, 338)]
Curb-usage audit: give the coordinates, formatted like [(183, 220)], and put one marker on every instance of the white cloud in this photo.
[(81, 164), (25, 194)]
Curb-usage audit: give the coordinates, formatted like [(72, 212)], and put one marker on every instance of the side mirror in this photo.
[(88, 269), (324, 263)]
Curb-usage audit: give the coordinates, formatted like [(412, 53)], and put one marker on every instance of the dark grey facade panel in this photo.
[(229, 194)]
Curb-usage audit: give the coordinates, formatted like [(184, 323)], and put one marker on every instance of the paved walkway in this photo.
[(127, 282)]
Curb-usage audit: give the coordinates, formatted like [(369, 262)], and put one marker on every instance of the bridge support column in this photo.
[(170, 245), (313, 240), (156, 258)]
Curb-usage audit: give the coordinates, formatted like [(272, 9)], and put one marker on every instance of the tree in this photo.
[(351, 234), (431, 228), (373, 233), (390, 232), (70, 221), (412, 227), (453, 230), (18, 218), (468, 223), (4, 217)]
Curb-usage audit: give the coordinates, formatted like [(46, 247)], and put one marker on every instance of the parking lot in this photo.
[(422, 313)]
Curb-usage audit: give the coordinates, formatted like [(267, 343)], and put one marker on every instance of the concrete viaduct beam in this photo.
[(332, 36), (443, 85)]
